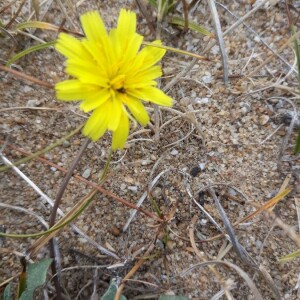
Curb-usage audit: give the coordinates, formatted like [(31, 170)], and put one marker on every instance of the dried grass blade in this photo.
[(267, 205), (240, 271), (229, 229), (220, 39)]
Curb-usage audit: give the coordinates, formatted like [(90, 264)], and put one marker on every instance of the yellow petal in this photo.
[(88, 74), (144, 60), (95, 99), (93, 27), (99, 53), (71, 90), (96, 125), (151, 94), (116, 108), (151, 55), (138, 110), (71, 47), (124, 38), (120, 135), (143, 78), (126, 25)]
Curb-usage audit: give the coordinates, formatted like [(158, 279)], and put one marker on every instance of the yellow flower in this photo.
[(111, 75)]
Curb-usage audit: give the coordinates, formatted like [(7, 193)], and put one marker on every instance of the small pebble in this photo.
[(264, 119), (202, 100), (66, 144), (133, 188), (115, 231), (195, 171), (86, 174), (146, 162), (202, 166), (171, 245), (33, 103), (27, 89), (174, 152), (207, 79)]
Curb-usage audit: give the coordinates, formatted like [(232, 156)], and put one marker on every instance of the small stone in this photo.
[(171, 245), (82, 240), (86, 174), (207, 79), (264, 119), (232, 192), (115, 231), (153, 157), (222, 113), (53, 169), (123, 186), (76, 142), (215, 49), (203, 222), (27, 89), (128, 179), (195, 171), (258, 244), (33, 103), (66, 144), (244, 110), (133, 188), (202, 166), (146, 162), (174, 152), (202, 100)]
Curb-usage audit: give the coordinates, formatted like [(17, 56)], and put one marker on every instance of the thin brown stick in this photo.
[(27, 77), (92, 184)]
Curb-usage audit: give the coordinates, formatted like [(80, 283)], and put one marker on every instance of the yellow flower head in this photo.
[(111, 75)]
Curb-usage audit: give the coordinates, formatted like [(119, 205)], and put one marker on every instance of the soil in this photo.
[(236, 140)]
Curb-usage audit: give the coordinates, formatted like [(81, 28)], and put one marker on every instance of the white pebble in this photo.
[(86, 174), (174, 152)]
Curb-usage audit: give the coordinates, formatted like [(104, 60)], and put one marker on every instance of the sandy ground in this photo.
[(226, 137)]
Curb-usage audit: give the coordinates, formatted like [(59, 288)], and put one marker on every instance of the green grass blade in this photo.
[(289, 257), (192, 25), (29, 50), (37, 24)]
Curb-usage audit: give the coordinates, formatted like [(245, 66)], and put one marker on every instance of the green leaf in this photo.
[(192, 25), (29, 50), (289, 257), (167, 297), (36, 276), (111, 291), (7, 293), (37, 24)]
